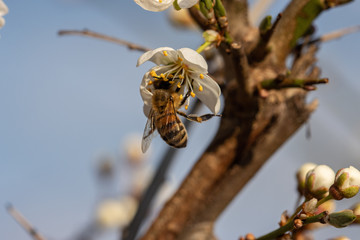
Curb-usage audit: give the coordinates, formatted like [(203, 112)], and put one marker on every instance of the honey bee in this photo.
[(164, 118)]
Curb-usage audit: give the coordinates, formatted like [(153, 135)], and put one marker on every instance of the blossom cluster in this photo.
[(182, 71), (320, 181)]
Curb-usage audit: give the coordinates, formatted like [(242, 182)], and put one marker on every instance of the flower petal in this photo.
[(154, 5), (146, 110), (193, 60), (187, 3), (157, 56), (146, 95), (210, 94)]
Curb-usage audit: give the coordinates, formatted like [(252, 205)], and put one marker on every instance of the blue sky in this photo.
[(67, 100)]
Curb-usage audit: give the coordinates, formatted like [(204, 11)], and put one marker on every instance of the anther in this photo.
[(171, 82), (150, 82), (181, 97), (181, 76), (180, 59), (153, 73), (160, 1), (201, 88), (186, 107), (170, 75), (164, 52), (192, 94), (178, 85), (201, 76)]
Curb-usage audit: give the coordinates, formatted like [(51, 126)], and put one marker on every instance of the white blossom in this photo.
[(318, 181), (116, 213), (184, 70), (3, 11), (161, 5)]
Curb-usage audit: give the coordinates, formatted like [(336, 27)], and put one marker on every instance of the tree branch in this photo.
[(20, 219), (88, 33)]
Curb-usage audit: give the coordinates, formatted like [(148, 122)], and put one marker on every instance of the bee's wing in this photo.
[(149, 132)]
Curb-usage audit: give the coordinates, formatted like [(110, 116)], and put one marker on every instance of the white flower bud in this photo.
[(301, 175), (347, 183), (318, 181), (3, 11)]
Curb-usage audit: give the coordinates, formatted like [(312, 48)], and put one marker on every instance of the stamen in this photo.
[(164, 52), (164, 77), (178, 85), (180, 59), (171, 82), (171, 76), (201, 76), (201, 88), (153, 73), (181, 76), (186, 107), (150, 82), (181, 97), (192, 94)]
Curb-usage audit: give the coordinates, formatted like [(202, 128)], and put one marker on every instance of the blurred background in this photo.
[(70, 106)]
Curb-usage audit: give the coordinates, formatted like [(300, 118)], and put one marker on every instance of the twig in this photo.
[(24, 223), (336, 34), (131, 231), (258, 10), (284, 82), (88, 33)]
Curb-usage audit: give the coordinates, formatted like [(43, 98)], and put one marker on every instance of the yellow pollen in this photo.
[(170, 76), (192, 94), (160, 1), (164, 52), (171, 82), (180, 59), (150, 82), (201, 76), (186, 107), (153, 73), (181, 76), (181, 97), (201, 88), (179, 85)]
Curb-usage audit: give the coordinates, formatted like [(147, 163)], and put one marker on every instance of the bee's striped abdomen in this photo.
[(171, 129)]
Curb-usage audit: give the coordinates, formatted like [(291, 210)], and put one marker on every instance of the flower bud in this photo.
[(211, 36), (341, 219), (301, 175), (356, 210), (318, 182), (347, 183)]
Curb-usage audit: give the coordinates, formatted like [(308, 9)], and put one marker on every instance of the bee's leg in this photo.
[(195, 118), (187, 95)]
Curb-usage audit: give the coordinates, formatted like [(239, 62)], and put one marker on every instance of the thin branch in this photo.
[(24, 223), (285, 82), (336, 34), (131, 231), (88, 33)]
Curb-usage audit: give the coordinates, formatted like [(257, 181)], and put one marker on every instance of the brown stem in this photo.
[(21, 220), (88, 33)]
